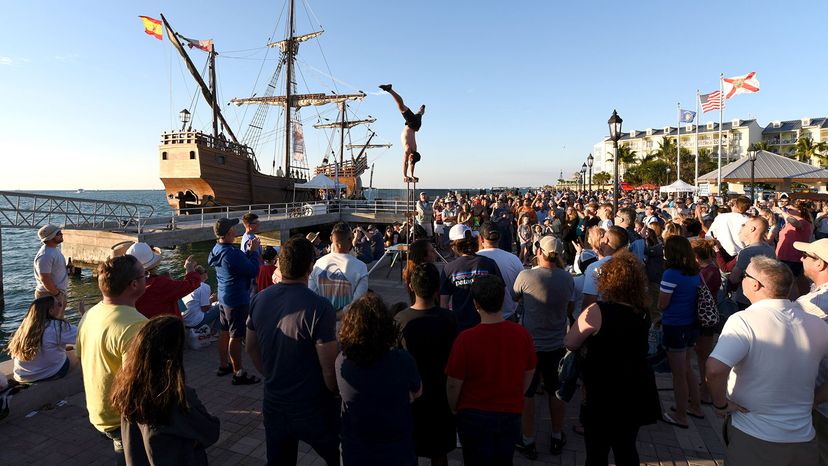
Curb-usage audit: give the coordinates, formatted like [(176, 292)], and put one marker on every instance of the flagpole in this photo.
[(721, 111), (678, 142), (696, 182)]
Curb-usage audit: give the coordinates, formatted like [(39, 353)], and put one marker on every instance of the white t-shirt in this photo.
[(725, 228), (774, 349), (52, 355), (816, 303), (193, 315), (51, 260), (591, 279), (341, 278), (510, 266)]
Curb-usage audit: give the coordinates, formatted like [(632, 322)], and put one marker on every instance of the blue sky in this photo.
[(515, 91)]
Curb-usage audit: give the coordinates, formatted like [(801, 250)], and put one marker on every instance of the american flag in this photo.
[(712, 101)]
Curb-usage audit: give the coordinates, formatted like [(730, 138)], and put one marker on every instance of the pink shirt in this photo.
[(784, 249)]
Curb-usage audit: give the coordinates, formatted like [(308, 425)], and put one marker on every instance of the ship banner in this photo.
[(298, 142)]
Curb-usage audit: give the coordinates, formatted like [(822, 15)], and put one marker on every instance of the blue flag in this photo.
[(687, 116)]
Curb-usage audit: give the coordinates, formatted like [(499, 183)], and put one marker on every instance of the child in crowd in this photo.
[(525, 237), (266, 270), (38, 347)]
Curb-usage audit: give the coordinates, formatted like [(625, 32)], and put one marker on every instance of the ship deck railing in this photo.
[(197, 137)]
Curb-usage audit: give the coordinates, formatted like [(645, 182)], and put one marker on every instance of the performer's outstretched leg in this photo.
[(400, 104)]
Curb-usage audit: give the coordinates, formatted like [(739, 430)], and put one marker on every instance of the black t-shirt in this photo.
[(289, 321), (428, 335), (456, 281), (376, 403)]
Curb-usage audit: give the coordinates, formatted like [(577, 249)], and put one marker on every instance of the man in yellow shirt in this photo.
[(104, 334)]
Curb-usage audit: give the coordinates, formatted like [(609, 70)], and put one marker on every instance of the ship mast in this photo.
[(209, 95), (288, 82)]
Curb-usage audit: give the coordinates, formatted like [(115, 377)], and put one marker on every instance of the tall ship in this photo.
[(200, 169)]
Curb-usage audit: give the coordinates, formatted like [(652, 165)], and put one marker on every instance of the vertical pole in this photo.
[(752, 182), (590, 179), (214, 103), (721, 111), (615, 178), (2, 295), (696, 122), (678, 142), (288, 96)]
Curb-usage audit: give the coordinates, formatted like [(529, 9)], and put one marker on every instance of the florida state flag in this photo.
[(736, 85), (152, 26)]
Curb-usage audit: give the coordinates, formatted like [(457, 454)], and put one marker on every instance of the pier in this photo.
[(92, 226)]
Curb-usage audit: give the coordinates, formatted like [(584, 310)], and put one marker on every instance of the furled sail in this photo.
[(300, 100)]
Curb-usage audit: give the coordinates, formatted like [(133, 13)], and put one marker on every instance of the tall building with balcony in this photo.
[(782, 136)]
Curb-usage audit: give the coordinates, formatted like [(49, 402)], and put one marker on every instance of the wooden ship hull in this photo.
[(199, 170), (348, 173)]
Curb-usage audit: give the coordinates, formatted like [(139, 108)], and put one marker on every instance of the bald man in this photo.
[(752, 234)]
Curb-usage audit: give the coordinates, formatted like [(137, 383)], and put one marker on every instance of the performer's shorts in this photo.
[(412, 120), (414, 157)]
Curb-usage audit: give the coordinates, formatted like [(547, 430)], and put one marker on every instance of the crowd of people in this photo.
[(733, 294)]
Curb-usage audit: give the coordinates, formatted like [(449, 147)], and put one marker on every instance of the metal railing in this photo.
[(32, 210), (203, 216)]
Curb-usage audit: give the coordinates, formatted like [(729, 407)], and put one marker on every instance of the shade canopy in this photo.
[(320, 181), (678, 187), (769, 168)]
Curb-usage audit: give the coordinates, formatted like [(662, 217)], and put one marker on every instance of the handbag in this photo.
[(569, 368), (706, 308)]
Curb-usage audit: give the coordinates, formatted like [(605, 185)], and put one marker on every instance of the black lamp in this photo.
[(614, 123)]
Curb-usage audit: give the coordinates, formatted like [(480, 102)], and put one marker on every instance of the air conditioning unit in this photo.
[(735, 122), (689, 127), (649, 131), (711, 125), (667, 129)]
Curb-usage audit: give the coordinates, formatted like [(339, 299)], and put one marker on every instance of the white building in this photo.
[(737, 136)]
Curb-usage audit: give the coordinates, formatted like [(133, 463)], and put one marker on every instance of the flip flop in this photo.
[(668, 419), (693, 415)]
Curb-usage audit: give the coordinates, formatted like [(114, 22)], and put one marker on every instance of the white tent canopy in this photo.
[(678, 187), (320, 181)]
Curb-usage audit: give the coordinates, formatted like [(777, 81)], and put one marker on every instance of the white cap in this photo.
[(461, 231)]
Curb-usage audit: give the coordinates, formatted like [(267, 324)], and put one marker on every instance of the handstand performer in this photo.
[(413, 121)]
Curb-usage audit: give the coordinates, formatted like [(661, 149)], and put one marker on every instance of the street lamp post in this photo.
[(614, 123), (752, 152), (583, 176), (590, 161), (668, 175)]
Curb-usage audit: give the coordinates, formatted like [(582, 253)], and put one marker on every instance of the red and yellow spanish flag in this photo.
[(152, 26)]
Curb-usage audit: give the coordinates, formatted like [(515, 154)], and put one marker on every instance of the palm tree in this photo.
[(805, 149), (626, 156), (763, 145), (601, 178), (666, 150)]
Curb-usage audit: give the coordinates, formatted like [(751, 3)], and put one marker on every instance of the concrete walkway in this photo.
[(61, 434)]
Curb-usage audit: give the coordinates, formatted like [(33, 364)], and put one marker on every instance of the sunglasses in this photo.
[(810, 256), (747, 275)]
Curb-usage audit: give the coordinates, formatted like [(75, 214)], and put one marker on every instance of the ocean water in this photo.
[(20, 246)]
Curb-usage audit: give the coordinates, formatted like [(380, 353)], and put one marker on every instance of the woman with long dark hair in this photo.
[(677, 301), (38, 347), (420, 251), (377, 383), (619, 385), (162, 420)]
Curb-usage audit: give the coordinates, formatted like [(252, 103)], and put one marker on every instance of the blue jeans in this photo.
[(315, 424), (488, 438)]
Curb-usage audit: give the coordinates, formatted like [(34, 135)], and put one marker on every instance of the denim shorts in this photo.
[(679, 337)]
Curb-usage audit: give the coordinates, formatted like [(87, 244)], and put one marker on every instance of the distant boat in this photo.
[(80, 190)]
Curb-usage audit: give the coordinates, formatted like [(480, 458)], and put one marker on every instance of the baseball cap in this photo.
[(548, 244), (489, 231), (223, 226), (461, 231), (818, 248)]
